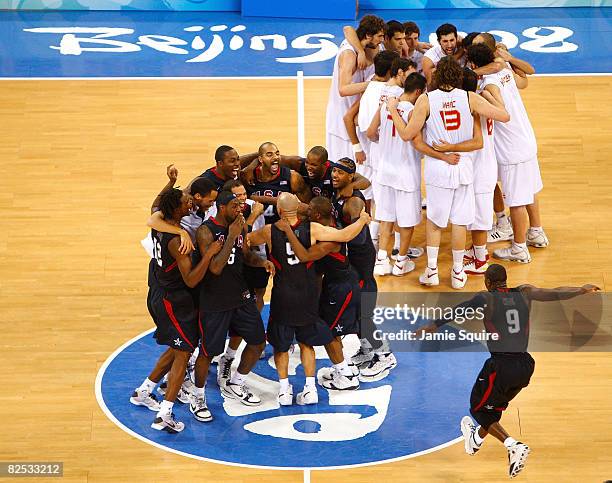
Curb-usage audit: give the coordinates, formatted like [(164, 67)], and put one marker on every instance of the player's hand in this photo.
[(283, 225), (362, 60), (237, 226), (588, 288), (392, 103), (214, 248), (442, 146), (423, 46), (360, 157), (186, 243), (364, 217), (172, 173), (451, 158), (257, 209), (504, 54), (269, 266)]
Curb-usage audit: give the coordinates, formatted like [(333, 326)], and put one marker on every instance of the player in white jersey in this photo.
[(414, 50), (448, 44), (348, 82), (519, 172), (446, 114), (398, 179)]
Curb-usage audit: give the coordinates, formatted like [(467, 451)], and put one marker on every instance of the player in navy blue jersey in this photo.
[(172, 308), (295, 300), (510, 367), (271, 179), (374, 359), (226, 301)]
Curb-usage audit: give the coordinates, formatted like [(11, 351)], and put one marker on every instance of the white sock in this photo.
[(148, 385), (502, 219), (230, 353), (396, 243), (401, 258), (458, 260), (536, 229), (519, 245), (199, 391), (382, 254), (165, 407), (374, 226), (509, 442), (480, 252), (238, 378), (432, 257), (343, 368), (284, 385), (477, 437), (310, 383)]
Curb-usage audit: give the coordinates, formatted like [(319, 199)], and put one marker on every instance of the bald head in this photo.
[(267, 146), (485, 38), (287, 203)]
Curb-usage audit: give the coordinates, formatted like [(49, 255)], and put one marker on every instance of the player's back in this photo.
[(450, 119), (295, 293), (166, 272), (508, 317), (515, 140)]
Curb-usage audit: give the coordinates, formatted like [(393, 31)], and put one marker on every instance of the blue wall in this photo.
[(234, 5)]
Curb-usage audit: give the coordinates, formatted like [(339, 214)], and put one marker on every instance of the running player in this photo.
[(226, 302), (398, 180), (450, 192), (172, 307), (510, 367), (295, 300), (348, 82)]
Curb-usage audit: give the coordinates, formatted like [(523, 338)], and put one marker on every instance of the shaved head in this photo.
[(287, 203), (264, 147), (485, 38)]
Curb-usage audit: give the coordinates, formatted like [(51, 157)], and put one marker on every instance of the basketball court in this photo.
[(85, 142)]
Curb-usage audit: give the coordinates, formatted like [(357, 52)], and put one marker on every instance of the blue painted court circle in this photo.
[(415, 410)]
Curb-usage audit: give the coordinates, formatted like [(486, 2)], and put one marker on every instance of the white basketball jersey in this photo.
[(515, 140), (337, 106), (399, 163), (450, 119)]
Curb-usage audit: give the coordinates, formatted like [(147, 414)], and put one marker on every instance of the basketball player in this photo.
[(172, 308), (414, 49), (340, 293), (374, 358), (348, 82), (450, 191), (295, 300), (510, 367), (226, 302), (448, 45), (271, 179), (398, 180), (516, 151)]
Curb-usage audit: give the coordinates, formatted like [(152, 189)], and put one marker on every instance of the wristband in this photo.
[(357, 148)]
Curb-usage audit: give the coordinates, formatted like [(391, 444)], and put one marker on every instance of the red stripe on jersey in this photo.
[(361, 282), (212, 218), (275, 262), (487, 393), (170, 313), (308, 265), (171, 267), (347, 300), (214, 171), (202, 335), (337, 256)]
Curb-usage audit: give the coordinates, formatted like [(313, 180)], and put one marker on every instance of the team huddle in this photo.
[(322, 227)]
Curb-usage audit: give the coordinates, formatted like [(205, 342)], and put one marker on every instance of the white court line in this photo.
[(300, 114), (306, 476), (111, 416), (582, 74)]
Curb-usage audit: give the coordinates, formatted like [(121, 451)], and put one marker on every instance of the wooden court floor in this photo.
[(81, 162)]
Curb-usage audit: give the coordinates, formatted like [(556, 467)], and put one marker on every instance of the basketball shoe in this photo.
[(468, 430), (143, 398), (240, 392), (517, 456), (166, 422)]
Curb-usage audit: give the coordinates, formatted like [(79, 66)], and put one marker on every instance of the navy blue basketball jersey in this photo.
[(279, 184), (508, 317), (215, 177), (319, 187), (166, 271), (295, 293)]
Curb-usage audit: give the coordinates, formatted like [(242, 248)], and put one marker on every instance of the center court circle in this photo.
[(415, 410)]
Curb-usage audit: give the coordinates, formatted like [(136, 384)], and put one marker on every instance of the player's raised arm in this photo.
[(484, 108), (559, 293), (319, 232), (347, 64), (261, 236), (315, 252)]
